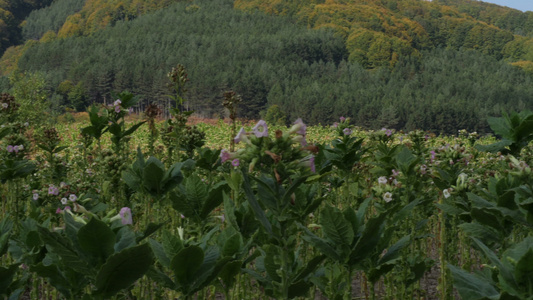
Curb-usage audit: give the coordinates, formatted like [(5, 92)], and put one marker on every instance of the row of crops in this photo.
[(153, 209)]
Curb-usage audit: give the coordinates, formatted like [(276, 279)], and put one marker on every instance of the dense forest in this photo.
[(12, 14), (442, 65)]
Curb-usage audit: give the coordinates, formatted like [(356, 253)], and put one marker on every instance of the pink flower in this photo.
[(125, 215), (9, 148), (342, 119), (235, 162), (241, 136), (224, 155), (299, 127), (260, 129), (72, 197), (309, 162), (52, 190), (58, 210), (347, 131)]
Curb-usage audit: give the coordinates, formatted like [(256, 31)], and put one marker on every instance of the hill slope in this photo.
[(401, 64)]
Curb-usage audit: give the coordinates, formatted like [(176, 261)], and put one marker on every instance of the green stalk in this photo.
[(443, 285)]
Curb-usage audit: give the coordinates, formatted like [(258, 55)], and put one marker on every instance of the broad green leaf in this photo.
[(173, 177), (310, 267), (272, 262), (495, 147), (394, 251), (487, 217), (153, 174), (319, 243), (149, 230), (172, 244), (484, 233), (115, 129), (54, 277), (404, 213), (32, 240), (479, 201), (229, 211), (335, 226), (524, 269), (122, 269), (214, 199), (232, 245), (299, 289), (361, 211), (208, 269), (133, 128), (375, 274), (292, 188), (190, 197), (472, 287), (500, 126), (505, 272), (266, 191), (160, 277), (97, 239), (125, 238), (63, 248), (5, 228), (369, 239), (159, 253), (6, 277), (185, 264), (258, 211), (229, 273)]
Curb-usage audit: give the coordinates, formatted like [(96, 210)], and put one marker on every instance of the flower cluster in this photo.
[(116, 105), (8, 104), (289, 148), (519, 168), (343, 127), (15, 149), (386, 186)]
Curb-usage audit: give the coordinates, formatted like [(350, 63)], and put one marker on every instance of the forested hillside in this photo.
[(441, 65), (12, 14)]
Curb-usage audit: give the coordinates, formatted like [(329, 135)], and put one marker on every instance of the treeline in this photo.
[(222, 49), (270, 61), (378, 32), (516, 21), (50, 18)]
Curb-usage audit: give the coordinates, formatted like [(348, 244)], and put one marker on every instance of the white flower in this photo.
[(446, 193), (387, 197), (72, 197), (64, 201), (180, 232), (260, 129), (382, 180), (117, 102), (241, 136), (5, 105)]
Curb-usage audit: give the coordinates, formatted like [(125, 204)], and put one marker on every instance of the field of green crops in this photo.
[(149, 209)]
